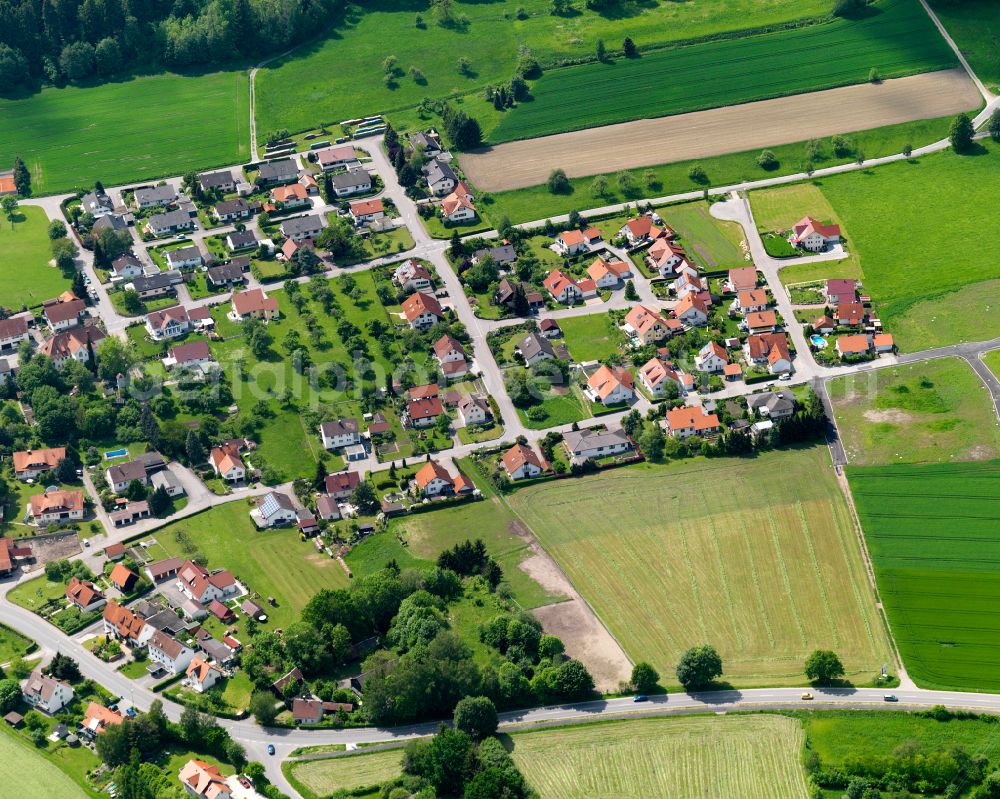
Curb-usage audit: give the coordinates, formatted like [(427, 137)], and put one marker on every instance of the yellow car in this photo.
[(807, 695)]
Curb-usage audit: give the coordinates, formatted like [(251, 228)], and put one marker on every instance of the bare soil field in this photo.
[(719, 131)]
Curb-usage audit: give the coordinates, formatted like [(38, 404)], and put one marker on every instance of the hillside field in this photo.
[(141, 128), (897, 38), (25, 275), (931, 532), (757, 557), (341, 76), (754, 757), (934, 411), (975, 27), (903, 215)]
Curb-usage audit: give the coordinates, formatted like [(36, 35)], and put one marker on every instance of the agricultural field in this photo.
[(272, 563), (886, 212), (536, 202), (121, 132), (28, 774), (592, 337), (343, 76), (766, 570), (713, 242), (746, 756), (26, 278), (931, 532), (935, 411), (975, 27), (897, 39)]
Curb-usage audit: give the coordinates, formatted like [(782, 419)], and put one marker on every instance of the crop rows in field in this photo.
[(759, 559), (897, 39), (752, 757), (932, 533), (122, 132)]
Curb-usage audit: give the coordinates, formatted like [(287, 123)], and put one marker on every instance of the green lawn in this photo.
[(272, 563), (36, 593), (394, 241), (757, 557), (899, 40), (935, 411), (931, 532), (25, 275), (12, 644), (536, 202), (560, 409), (593, 337), (130, 130), (715, 243), (975, 27), (29, 773), (438, 230), (341, 77), (898, 214)]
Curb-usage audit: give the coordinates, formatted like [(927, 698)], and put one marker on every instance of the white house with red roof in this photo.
[(610, 385), (768, 350), (692, 310), (711, 358), (656, 374), (563, 288), (608, 274), (812, 235), (422, 310), (667, 258), (520, 462), (688, 421)]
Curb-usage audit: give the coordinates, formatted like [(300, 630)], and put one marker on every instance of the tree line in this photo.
[(59, 41)]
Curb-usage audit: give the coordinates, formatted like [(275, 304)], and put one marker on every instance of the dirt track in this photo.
[(703, 134)]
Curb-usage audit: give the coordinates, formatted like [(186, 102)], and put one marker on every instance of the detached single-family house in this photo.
[(241, 240), (422, 310), (332, 158), (507, 290), (668, 258), (201, 585), (365, 211), (97, 718), (656, 374), (689, 421), (441, 178), (274, 510), (340, 433), (156, 285), (227, 462), (563, 288), (154, 197), (520, 462), (53, 507), (504, 255), (121, 475), (201, 675), (302, 227), (743, 278), (221, 181), (168, 323), (761, 321), (692, 311), (76, 344), (772, 404), (638, 231), (647, 326), (711, 358), (751, 300), (840, 291), (850, 314), (63, 315), (458, 207), (571, 242), (203, 780), (769, 350), (122, 624), (231, 210), (811, 235), (687, 282), (254, 304), (853, 346), (341, 485), (225, 275), (883, 342), (591, 443), (824, 325), (169, 222), (45, 693), (294, 195), (433, 479), (125, 267), (423, 412), (29, 464), (97, 204), (473, 410), (168, 652), (608, 274), (84, 596), (357, 181), (282, 170), (534, 349), (411, 275), (193, 355), (184, 258), (122, 577), (610, 385)]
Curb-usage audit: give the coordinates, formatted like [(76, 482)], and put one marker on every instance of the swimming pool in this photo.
[(116, 453), (818, 341)]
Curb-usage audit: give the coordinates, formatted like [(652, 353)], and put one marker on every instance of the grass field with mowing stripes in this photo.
[(757, 557), (752, 757), (120, 132), (931, 531), (897, 38), (29, 775), (25, 275)]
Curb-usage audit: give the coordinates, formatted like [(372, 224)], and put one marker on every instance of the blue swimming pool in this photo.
[(818, 341), (116, 453)]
